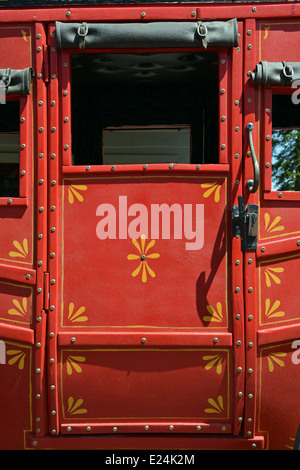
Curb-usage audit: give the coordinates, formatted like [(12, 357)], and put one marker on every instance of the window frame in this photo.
[(66, 124), (25, 151), (266, 142)]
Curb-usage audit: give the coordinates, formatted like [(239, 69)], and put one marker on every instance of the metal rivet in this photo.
[(39, 319), (280, 195), (68, 13), (237, 155), (250, 289), (28, 276), (113, 167), (253, 445), (51, 335), (223, 61), (52, 103), (53, 229), (39, 290), (222, 91), (53, 156), (38, 370), (239, 369), (41, 129), (240, 418), (38, 419), (238, 316), (23, 146), (52, 387), (53, 183), (41, 155), (39, 49), (53, 431), (66, 119), (53, 412), (52, 307), (41, 181), (40, 263), (239, 342), (223, 118), (52, 281), (53, 208), (52, 255), (23, 119), (73, 339), (171, 427), (41, 209), (66, 64), (198, 167), (223, 428), (69, 428), (223, 146), (38, 345), (65, 92), (38, 396), (249, 46), (193, 13), (237, 289), (250, 395), (262, 248), (237, 129), (298, 243), (51, 360), (53, 129), (88, 168), (250, 260), (249, 420), (254, 9), (146, 428), (240, 394), (38, 36), (198, 428), (250, 344), (215, 340), (237, 102), (143, 340), (145, 167), (250, 371), (237, 262), (268, 137), (9, 201), (171, 165), (250, 317), (39, 75), (53, 49), (115, 428), (249, 32), (34, 443), (249, 433), (143, 14), (88, 428)]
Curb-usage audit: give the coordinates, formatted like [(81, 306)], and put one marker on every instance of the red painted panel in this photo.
[(127, 384), (114, 291)]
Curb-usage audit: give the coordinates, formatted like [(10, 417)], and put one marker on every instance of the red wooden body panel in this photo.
[(151, 343)]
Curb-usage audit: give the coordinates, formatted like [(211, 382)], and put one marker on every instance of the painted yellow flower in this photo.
[(271, 312), (273, 226), (76, 316), (22, 250), (215, 360), (143, 257), (17, 357), (216, 406), (74, 190), (72, 363), (20, 310), (274, 358), (210, 188), (215, 315), (269, 273), (74, 408)]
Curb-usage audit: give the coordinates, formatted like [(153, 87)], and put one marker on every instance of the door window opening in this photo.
[(144, 108), (9, 149), (285, 144)]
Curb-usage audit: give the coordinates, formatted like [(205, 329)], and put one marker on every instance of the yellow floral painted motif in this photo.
[(215, 360), (216, 406), (20, 310), (72, 363), (291, 445), (143, 256), (273, 226), (215, 315), (269, 273), (266, 31), (212, 188), (76, 316), (74, 408), (22, 250), (74, 190), (271, 312), (17, 357), (274, 358)]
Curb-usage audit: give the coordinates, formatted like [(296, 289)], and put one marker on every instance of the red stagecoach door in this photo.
[(271, 301), (146, 289)]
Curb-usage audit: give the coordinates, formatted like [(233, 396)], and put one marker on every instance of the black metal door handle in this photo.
[(253, 184)]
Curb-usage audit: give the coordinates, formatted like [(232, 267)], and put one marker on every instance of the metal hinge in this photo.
[(46, 63), (245, 224), (46, 291)]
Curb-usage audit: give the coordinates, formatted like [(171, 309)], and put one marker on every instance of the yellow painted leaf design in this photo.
[(215, 360), (216, 406), (143, 257), (271, 312), (21, 309), (212, 188), (272, 226), (75, 190), (215, 315), (72, 363), (22, 250), (74, 408), (274, 358), (271, 276), (17, 357), (76, 316)]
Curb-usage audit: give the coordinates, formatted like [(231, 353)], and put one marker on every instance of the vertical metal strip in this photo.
[(251, 107), (236, 132), (66, 107), (224, 83), (53, 156), (40, 167)]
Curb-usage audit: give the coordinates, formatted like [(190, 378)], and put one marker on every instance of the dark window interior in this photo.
[(9, 149), (285, 144), (144, 91)]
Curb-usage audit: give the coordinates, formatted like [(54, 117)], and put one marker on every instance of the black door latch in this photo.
[(245, 224)]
